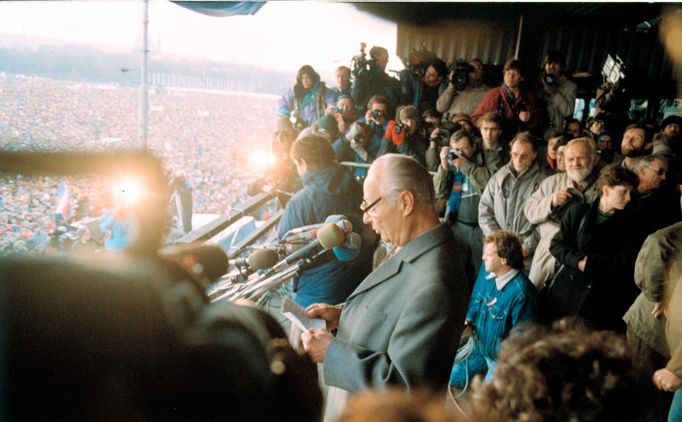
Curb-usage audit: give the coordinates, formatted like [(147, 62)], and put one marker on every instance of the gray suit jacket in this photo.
[(401, 326)]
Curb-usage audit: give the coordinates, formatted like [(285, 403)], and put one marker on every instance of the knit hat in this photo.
[(328, 124)]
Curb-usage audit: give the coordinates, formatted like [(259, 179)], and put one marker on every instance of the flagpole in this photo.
[(144, 97)]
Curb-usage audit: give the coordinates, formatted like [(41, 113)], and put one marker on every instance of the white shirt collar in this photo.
[(500, 282)]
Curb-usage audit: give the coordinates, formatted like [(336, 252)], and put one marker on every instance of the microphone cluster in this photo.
[(209, 263)]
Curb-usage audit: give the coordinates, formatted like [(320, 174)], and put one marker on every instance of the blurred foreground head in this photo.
[(564, 373), (397, 406)]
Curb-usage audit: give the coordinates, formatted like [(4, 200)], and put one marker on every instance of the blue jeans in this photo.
[(675, 414), (464, 371)]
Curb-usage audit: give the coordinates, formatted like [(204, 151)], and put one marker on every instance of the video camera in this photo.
[(460, 74), (360, 66), (613, 70)]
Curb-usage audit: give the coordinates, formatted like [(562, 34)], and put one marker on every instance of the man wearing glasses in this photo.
[(402, 324)]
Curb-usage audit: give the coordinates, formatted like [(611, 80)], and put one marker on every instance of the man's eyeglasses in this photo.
[(366, 208)]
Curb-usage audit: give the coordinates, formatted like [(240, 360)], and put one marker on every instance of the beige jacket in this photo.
[(538, 210)]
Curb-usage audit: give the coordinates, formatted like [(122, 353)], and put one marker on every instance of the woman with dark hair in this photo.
[(433, 83), (307, 100), (503, 297), (596, 244)]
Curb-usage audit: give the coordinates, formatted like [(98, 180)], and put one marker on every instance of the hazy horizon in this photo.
[(268, 39)]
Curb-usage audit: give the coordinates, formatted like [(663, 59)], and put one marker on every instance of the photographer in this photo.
[(343, 112), (439, 138), (425, 90), (370, 78), (558, 92), (518, 106), (455, 190), (490, 156), (405, 135), (356, 145), (465, 89), (307, 100)]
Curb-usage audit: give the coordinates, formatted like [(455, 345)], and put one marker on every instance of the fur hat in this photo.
[(670, 120)]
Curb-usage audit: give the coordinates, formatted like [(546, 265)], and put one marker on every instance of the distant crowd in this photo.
[(204, 137)]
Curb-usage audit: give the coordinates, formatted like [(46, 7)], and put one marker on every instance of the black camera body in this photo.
[(377, 114), (460, 74), (398, 128), (442, 134), (453, 154)]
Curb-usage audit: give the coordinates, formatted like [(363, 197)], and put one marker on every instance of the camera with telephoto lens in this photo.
[(550, 79), (453, 154), (460, 74), (398, 128)]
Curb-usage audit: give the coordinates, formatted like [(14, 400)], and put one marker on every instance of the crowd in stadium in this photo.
[(205, 137)]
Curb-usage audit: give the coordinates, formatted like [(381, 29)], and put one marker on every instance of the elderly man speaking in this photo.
[(402, 324)]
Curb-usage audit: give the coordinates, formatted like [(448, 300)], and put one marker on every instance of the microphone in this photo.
[(328, 237), (261, 259), (306, 233), (206, 263), (350, 249)]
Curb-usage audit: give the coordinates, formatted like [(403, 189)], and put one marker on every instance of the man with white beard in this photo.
[(547, 204)]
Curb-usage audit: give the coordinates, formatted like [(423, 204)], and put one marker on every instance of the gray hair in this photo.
[(647, 160), (402, 173), (588, 142)]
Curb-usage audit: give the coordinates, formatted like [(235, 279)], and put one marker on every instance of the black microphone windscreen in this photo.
[(263, 259), (330, 236), (212, 259)]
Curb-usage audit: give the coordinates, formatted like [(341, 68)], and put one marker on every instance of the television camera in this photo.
[(460, 74)]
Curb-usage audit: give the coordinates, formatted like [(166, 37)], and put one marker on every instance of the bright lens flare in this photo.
[(261, 159), (127, 191)]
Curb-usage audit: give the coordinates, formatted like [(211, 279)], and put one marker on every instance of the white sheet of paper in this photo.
[(296, 315)]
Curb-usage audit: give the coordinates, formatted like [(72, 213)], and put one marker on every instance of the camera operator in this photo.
[(518, 106), (460, 195), (558, 92), (458, 98), (370, 79), (405, 135)]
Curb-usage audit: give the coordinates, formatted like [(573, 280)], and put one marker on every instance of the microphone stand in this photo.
[(254, 290)]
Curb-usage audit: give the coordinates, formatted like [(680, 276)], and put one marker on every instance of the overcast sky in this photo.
[(282, 35)]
